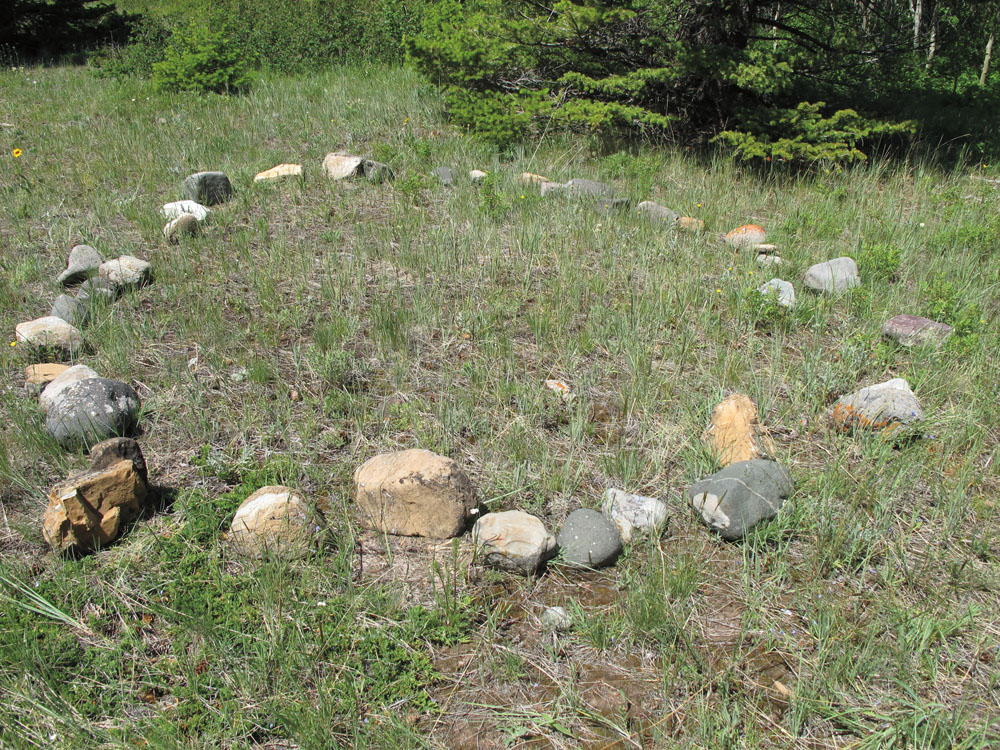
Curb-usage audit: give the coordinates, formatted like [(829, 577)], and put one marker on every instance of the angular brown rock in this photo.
[(415, 493), (109, 452), (734, 432), (44, 373), (90, 508)]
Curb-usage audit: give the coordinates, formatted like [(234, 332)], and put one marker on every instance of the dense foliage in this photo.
[(200, 59), (790, 80), (42, 28)]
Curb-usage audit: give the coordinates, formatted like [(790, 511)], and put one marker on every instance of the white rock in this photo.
[(514, 541), (476, 176), (125, 271), (175, 209), (769, 260), (833, 276), (630, 512), (555, 618), (785, 291), (51, 393), (339, 166), (49, 331)]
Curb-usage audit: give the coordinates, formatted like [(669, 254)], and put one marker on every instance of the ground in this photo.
[(315, 324)]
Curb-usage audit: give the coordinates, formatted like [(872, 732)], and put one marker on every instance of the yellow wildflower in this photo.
[(16, 153)]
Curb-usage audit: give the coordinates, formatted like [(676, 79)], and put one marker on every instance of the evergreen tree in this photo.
[(47, 28)]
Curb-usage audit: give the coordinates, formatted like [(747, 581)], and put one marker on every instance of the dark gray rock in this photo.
[(83, 263), (93, 410), (110, 452), (96, 288), (736, 499), (208, 188), (444, 175), (74, 311), (589, 540), (912, 330)]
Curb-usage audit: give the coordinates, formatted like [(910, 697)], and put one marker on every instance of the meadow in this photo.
[(314, 324)]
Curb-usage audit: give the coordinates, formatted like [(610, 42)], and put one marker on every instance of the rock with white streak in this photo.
[(734, 500), (632, 513)]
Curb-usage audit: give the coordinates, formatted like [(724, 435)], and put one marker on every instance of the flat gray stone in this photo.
[(912, 330), (74, 311), (93, 410), (833, 276), (555, 618), (208, 188), (589, 540), (658, 214), (736, 499), (630, 512), (783, 290), (589, 188), (444, 175), (82, 264)]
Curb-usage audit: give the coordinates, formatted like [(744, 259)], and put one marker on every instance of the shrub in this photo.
[(879, 262), (146, 46), (199, 59)]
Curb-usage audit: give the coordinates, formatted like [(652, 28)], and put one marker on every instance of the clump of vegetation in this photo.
[(879, 262), (201, 60)]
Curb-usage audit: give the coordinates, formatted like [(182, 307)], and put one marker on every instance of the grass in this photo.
[(413, 315)]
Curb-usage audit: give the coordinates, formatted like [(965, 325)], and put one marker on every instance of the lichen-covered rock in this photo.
[(58, 385), (514, 541), (273, 520), (93, 410), (884, 406), (415, 493), (734, 500), (90, 508), (630, 512), (208, 188)]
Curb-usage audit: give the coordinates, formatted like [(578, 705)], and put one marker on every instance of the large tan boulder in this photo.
[(415, 493), (734, 432), (273, 519), (90, 508)]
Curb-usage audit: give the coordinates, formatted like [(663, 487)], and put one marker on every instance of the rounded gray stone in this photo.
[(74, 311), (444, 175), (208, 188), (83, 262), (833, 276), (736, 499), (93, 410), (589, 540)]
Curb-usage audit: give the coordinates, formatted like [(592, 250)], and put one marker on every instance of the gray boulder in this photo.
[(93, 410), (208, 188), (833, 276), (783, 291), (589, 188), (883, 406), (658, 214), (589, 540), (82, 264), (629, 512), (736, 499), (74, 311), (444, 175)]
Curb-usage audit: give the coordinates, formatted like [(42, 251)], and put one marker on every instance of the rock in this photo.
[(109, 452), (552, 189), (629, 512), (659, 214), (58, 385), (49, 332), (912, 330), (208, 188), (279, 172), (415, 493), (884, 406), (96, 288), (833, 276), (444, 175), (126, 272), (607, 205), (690, 224), (514, 541), (783, 291), (185, 225), (765, 249), (91, 508), (476, 176), (763, 259), (555, 618), (528, 178), (93, 410), (44, 373), (734, 433), (578, 186), (83, 263), (746, 236), (589, 540), (179, 208), (339, 166), (376, 171), (734, 500), (74, 311), (274, 520)]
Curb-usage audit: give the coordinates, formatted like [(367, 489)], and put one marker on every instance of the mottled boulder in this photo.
[(833, 276), (126, 272), (273, 520), (93, 410), (82, 264), (734, 500), (630, 512), (734, 432), (589, 540), (208, 188), (49, 332), (884, 406), (514, 541), (912, 330), (90, 508), (415, 493), (58, 385)]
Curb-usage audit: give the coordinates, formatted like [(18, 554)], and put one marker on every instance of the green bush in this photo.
[(146, 46), (202, 60), (879, 262)]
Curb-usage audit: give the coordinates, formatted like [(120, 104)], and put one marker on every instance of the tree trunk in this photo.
[(986, 59)]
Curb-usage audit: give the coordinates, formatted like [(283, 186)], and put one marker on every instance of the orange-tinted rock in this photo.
[(734, 432), (746, 236)]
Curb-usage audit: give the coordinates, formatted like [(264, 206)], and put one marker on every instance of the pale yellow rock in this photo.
[(530, 179), (339, 166), (690, 224), (734, 432), (414, 493), (273, 519), (278, 172), (43, 374), (49, 332), (91, 507)]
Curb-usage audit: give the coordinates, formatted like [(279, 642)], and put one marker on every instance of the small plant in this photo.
[(201, 60), (879, 262), (946, 303), (492, 202)]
